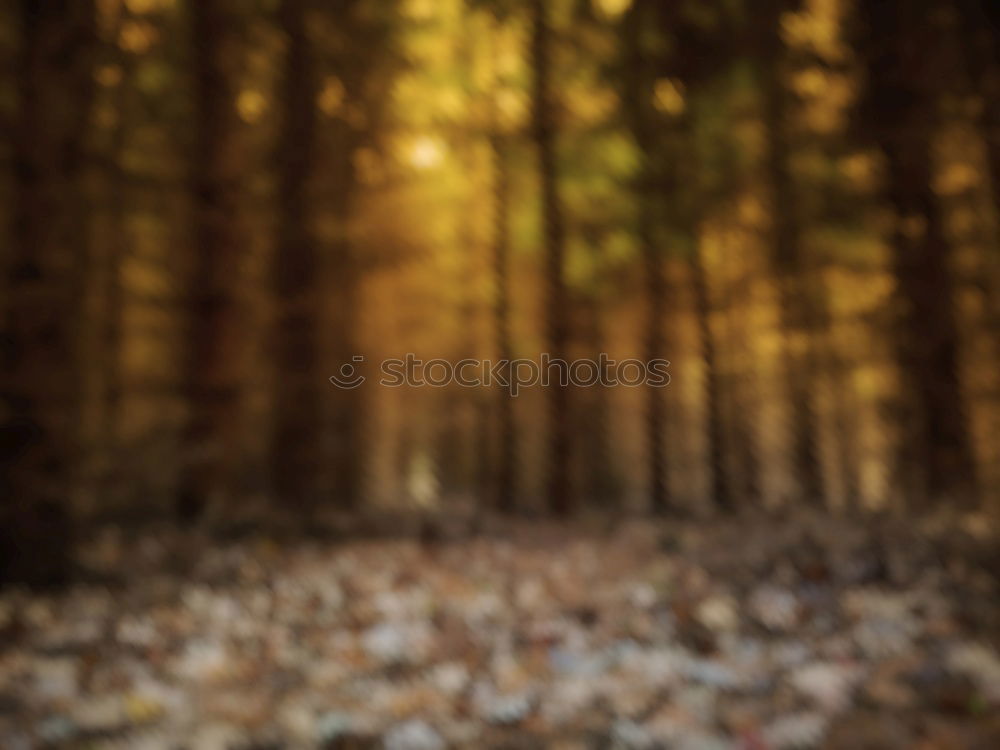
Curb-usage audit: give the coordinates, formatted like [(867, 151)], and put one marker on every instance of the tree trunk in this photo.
[(595, 459), (639, 94), (114, 259), (741, 399), (213, 370), (928, 333), (297, 402), (507, 449), (980, 40), (721, 490), (659, 493), (899, 111), (979, 36), (557, 330), (41, 387), (345, 406), (361, 40), (797, 302)]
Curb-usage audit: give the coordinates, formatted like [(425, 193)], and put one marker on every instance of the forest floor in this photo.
[(754, 633)]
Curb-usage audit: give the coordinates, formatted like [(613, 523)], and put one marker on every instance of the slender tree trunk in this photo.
[(213, 372), (928, 332), (352, 61), (990, 124), (844, 407), (298, 391), (980, 40), (41, 367), (346, 405), (741, 399), (114, 260), (797, 302), (486, 485), (721, 489), (979, 37), (595, 458), (507, 452), (655, 410), (639, 94), (557, 329)]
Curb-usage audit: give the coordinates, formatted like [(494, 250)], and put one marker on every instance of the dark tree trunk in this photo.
[(113, 258), (41, 366), (928, 333), (659, 493), (845, 427), (979, 36), (721, 489), (213, 370), (741, 399), (345, 405), (595, 458), (353, 59), (298, 392), (980, 39), (898, 110), (507, 449), (557, 329), (640, 77)]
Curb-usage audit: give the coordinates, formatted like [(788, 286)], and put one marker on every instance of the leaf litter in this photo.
[(760, 634)]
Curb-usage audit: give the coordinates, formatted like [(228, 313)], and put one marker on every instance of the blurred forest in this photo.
[(212, 205), (212, 209)]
